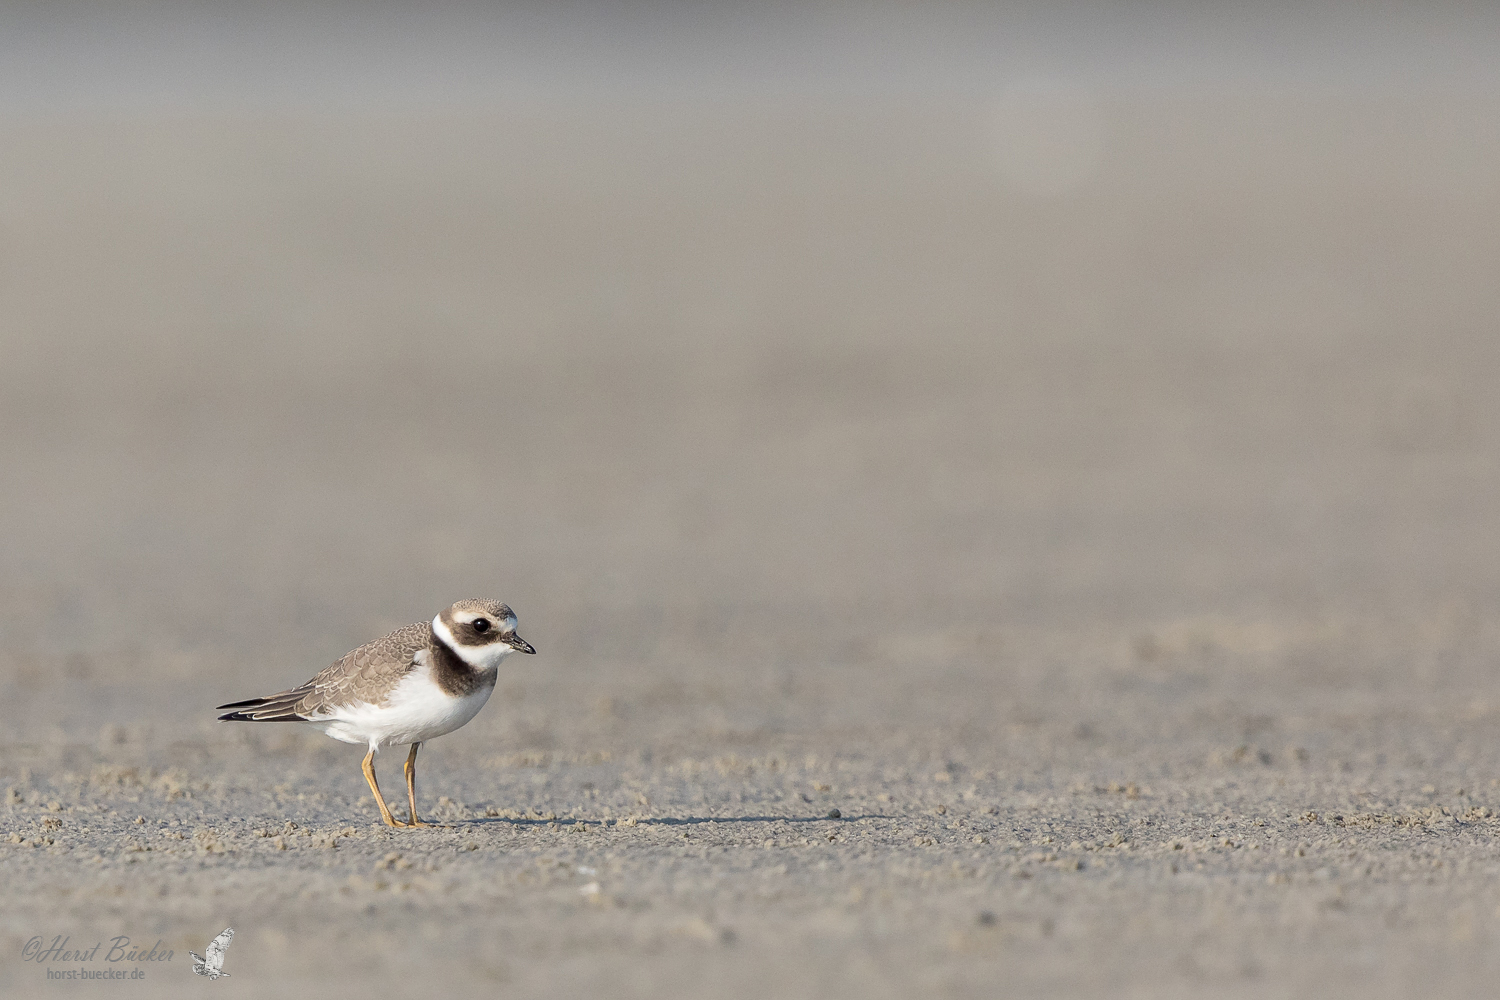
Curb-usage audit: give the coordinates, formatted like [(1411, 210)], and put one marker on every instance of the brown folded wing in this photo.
[(365, 675)]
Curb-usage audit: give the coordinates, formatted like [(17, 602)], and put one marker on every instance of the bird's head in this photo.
[(481, 633)]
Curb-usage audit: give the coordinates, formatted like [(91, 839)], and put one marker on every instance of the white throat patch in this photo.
[(479, 657)]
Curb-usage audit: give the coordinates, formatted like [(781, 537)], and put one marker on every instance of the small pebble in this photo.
[(834, 814)]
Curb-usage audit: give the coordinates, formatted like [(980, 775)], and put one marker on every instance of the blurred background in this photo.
[(1061, 436), (837, 363)]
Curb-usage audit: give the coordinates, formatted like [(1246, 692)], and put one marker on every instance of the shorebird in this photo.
[(416, 684)]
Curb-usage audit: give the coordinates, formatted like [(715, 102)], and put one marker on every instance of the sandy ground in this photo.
[(1117, 558)]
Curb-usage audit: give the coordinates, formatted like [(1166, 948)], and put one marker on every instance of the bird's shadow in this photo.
[(663, 820)]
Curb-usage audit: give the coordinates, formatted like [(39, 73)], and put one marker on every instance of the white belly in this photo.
[(416, 711)]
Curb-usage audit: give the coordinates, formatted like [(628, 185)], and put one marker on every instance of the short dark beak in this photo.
[(516, 642)]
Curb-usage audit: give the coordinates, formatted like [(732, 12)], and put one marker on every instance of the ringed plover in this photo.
[(416, 684)]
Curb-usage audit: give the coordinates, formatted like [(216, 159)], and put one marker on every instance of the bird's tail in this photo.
[(272, 708)]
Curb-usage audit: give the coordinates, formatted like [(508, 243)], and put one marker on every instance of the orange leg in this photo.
[(411, 785), (369, 769)]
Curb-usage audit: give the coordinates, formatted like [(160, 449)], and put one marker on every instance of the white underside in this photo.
[(415, 711)]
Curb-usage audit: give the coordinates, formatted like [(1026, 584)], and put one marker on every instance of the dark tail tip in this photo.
[(247, 703), (251, 717)]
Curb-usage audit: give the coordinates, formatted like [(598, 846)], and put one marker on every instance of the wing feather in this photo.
[(365, 674), (213, 955)]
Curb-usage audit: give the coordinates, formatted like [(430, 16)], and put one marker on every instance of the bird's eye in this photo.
[(481, 624)]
